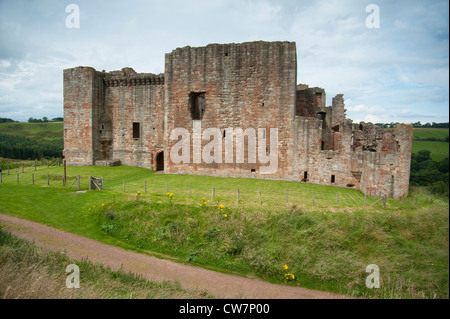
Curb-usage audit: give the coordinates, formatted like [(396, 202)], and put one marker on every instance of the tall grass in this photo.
[(29, 272), (325, 250)]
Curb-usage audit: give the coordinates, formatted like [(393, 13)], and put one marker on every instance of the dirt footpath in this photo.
[(216, 283)]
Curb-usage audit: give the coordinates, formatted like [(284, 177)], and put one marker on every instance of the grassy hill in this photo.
[(39, 132), (439, 149), (326, 245)]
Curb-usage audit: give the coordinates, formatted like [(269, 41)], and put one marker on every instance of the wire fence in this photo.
[(230, 191)]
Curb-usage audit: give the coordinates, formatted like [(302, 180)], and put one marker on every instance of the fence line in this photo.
[(252, 195)]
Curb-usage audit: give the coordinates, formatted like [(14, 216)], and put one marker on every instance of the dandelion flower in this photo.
[(225, 215), (285, 267)]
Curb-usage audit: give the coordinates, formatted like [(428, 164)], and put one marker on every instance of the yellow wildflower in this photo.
[(285, 267)]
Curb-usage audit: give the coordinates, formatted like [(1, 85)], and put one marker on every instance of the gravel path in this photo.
[(216, 283)]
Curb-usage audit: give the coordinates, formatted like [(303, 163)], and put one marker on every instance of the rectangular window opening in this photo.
[(305, 176), (333, 178), (197, 104), (136, 130)]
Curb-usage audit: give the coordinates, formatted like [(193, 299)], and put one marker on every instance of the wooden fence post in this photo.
[(287, 197), (145, 186), (237, 201), (336, 198), (259, 197), (78, 182), (1, 177), (32, 179), (8, 169), (384, 201), (124, 185), (48, 179), (65, 175), (213, 193), (190, 190), (17, 178), (313, 197), (365, 199)]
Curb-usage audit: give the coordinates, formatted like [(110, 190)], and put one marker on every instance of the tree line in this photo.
[(434, 175), (33, 120), (416, 125), (44, 120), (18, 147)]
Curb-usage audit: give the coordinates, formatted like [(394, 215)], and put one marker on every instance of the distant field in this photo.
[(40, 132), (439, 150)]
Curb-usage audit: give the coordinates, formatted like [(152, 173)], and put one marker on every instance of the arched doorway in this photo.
[(160, 161)]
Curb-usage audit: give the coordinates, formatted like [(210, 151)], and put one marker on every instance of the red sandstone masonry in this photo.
[(247, 85)]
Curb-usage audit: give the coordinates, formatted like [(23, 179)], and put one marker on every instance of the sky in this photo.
[(391, 63)]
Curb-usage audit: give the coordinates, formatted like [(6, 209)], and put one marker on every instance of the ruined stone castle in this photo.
[(127, 117)]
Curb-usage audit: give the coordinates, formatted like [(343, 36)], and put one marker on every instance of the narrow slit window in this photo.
[(333, 178), (136, 130)]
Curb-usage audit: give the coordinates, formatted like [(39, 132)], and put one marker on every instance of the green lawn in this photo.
[(273, 193), (326, 245)]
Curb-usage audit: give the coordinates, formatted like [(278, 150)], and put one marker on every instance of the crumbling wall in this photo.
[(81, 101), (248, 85)]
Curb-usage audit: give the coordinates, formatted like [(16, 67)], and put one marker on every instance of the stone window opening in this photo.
[(321, 116), (318, 99), (333, 179), (136, 130), (305, 176), (253, 170), (197, 104)]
